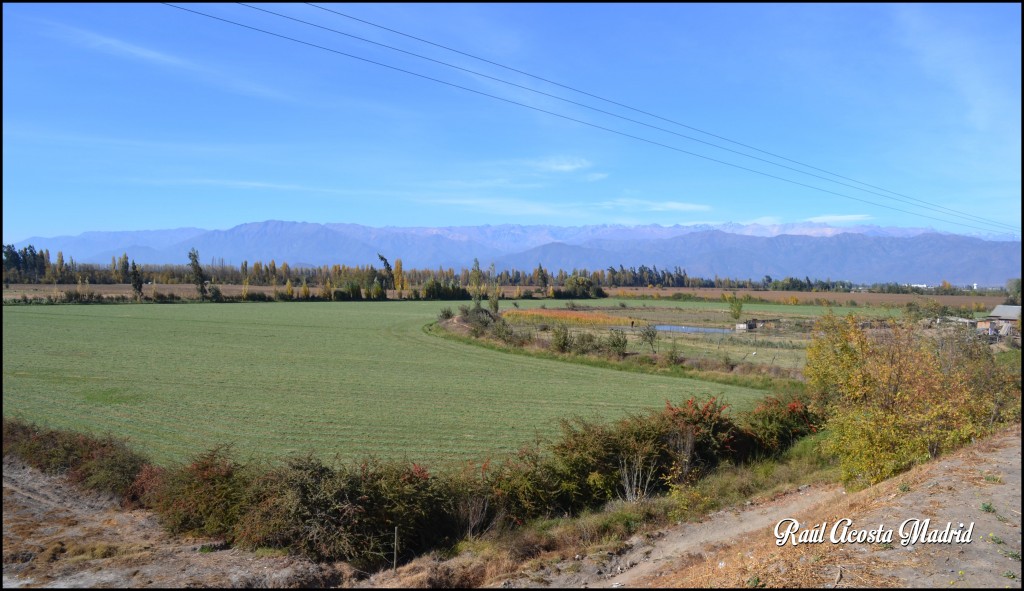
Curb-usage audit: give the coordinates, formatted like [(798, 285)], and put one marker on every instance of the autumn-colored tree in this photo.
[(289, 290), (476, 278), (123, 269), (400, 284), (896, 396), (304, 291), (59, 270)]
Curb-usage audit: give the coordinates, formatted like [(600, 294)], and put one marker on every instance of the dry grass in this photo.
[(807, 297), (571, 317), (468, 570), (757, 561)]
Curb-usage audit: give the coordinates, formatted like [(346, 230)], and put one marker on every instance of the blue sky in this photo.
[(133, 117)]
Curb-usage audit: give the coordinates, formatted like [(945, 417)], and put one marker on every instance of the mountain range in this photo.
[(862, 254)]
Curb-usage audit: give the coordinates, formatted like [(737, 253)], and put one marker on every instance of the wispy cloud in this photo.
[(561, 164), (124, 49), (493, 183), (595, 176), (839, 219), (648, 205), (959, 61)]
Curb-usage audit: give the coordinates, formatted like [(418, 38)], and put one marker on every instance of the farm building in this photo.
[(1001, 320), (755, 324)]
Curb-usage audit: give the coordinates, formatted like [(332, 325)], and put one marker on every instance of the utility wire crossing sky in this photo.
[(235, 113)]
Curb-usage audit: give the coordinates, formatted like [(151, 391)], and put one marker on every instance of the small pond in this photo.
[(680, 328)]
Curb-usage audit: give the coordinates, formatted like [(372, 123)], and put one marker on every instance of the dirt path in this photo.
[(980, 484), (717, 529), (656, 553)]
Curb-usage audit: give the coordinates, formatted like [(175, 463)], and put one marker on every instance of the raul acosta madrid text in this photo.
[(911, 531)]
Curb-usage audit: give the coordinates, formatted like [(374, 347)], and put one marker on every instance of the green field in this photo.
[(347, 378)]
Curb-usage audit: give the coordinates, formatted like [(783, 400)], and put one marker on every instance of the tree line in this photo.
[(29, 265)]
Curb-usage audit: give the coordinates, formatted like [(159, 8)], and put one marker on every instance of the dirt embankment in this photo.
[(979, 485), (55, 535)]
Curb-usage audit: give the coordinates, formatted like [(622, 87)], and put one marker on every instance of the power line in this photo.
[(927, 205), (594, 125), (936, 209)]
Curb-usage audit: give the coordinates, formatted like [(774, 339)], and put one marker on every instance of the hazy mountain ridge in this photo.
[(859, 254)]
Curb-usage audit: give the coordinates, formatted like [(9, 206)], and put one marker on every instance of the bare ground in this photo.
[(57, 536)]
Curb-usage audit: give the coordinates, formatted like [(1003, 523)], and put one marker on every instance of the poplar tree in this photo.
[(198, 278), (136, 279)]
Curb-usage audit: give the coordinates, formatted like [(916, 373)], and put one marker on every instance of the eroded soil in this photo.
[(55, 535)]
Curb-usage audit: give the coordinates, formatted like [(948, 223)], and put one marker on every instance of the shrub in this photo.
[(164, 298), (523, 487), (778, 421), (478, 318), (111, 467), (78, 297), (146, 486), (644, 460), (561, 339), (702, 436), (205, 496), (472, 510), (616, 343), (898, 396), (346, 513), (584, 343), (103, 464), (673, 357), (503, 331), (649, 336), (583, 458), (445, 314)]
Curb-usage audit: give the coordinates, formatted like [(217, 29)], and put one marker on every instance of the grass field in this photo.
[(272, 378)]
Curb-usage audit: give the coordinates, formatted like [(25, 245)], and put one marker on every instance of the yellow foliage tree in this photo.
[(399, 276), (896, 396)]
